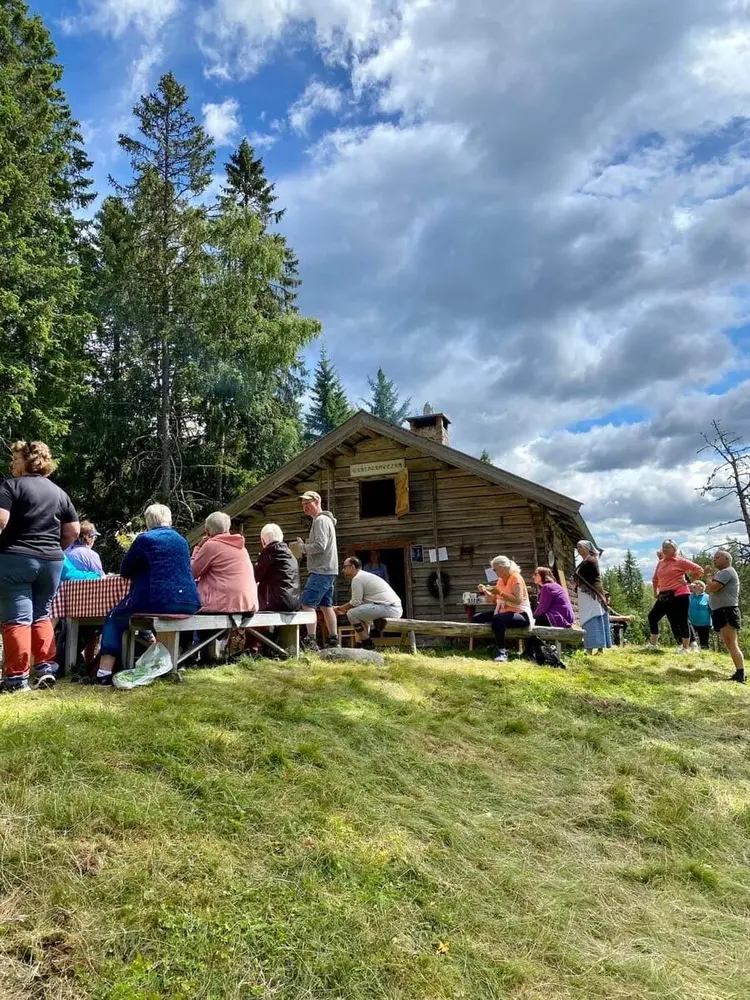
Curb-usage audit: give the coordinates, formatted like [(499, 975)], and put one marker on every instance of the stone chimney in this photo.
[(431, 425)]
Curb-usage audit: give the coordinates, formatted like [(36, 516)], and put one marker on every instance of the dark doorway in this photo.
[(394, 562)]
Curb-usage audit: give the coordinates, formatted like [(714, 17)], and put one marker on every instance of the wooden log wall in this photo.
[(470, 512)]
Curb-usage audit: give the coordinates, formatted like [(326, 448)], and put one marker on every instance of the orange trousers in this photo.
[(22, 643)]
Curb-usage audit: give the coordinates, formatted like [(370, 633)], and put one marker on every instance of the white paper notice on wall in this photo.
[(490, 575), (443, 554), (432, 553)]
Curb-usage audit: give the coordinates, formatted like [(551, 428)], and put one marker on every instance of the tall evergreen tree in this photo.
[(330, 407), (171, 163), (248, 187), (43, 182), (196, 388), (485, 457), (631, 580), (385, 402)]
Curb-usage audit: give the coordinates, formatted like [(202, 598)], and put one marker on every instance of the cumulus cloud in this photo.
[(317, 98), (222, 121)]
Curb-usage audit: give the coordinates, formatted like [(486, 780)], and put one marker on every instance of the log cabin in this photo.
[(435, 515)]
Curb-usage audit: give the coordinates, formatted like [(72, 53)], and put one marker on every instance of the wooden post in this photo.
[(289, 639), (436, 543)]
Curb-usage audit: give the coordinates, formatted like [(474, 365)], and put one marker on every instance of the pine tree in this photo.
[(330, 407), (385, 402), (485, 457), (171, 163), (613, 586), (631, 580), (43, 182), (248, 187)]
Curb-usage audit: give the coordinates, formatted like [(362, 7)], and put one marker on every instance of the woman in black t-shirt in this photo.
[(37, 521)]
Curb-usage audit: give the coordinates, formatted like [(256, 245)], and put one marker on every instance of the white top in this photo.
[(370, 589)]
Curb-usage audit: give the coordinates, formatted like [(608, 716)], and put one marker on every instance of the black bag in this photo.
[(545, 655)]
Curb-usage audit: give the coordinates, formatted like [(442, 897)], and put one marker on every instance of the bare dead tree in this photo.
[(731, 477)]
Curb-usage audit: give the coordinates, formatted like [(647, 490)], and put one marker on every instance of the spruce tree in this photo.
[(171, 162), (248, 187), (43, 182), (631, 580), (330, 407), (485, 457), (385, 402)]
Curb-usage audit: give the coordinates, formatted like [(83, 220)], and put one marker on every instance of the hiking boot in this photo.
[(333, 642), (365, 644), (738, 676), (309, 645), (379, 624)]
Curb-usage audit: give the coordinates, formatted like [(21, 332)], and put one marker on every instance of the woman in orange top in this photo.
[(672, 593), (512, 605)]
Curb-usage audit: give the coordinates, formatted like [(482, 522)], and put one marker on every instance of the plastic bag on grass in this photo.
[(155, 662)]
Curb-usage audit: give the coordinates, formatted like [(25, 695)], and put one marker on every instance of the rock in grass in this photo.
[(359, 655)]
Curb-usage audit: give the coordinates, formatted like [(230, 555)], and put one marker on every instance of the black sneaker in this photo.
[(309, 644), (379, 624), (333, 642), (45, 682), (738, 676), (365, 644), (14, 687)]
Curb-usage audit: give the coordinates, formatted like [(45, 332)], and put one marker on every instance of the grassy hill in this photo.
[(440, 828)]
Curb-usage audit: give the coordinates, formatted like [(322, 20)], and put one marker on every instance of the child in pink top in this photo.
[(672, 593)]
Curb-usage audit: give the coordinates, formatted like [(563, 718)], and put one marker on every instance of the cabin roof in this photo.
[(364, 425)]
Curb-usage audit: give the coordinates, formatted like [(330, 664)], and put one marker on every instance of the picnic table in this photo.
[(86, 602)]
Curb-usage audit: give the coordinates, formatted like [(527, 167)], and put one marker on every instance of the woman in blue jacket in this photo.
[(158, 566), (700, 613)]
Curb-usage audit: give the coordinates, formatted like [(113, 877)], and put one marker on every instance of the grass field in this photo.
[(439, 828)]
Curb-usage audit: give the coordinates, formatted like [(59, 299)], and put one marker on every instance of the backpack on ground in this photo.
[(546, 655)]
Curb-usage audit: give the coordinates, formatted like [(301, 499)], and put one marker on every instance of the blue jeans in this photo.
[(27, 586), (115, 626)]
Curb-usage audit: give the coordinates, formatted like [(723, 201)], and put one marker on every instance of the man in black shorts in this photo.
[(724, 599)]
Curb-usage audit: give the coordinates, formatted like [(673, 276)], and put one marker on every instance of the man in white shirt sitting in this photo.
[(372, 600)]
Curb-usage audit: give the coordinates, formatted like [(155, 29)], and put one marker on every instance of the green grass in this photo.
[(439, 828)]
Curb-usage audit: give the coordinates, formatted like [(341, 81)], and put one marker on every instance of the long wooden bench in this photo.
[(476, 630), (169, 627)]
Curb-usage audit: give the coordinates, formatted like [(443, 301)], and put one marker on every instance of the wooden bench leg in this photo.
[(289, 639), (413, 643), (172, 641), (71, 645)]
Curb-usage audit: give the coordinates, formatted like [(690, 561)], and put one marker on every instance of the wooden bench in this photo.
[(475, 630), (169, 627)]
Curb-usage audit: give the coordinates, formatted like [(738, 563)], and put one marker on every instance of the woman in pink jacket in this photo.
[(222, 568), (672, 593)]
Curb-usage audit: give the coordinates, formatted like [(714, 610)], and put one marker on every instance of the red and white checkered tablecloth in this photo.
[(89, 598)]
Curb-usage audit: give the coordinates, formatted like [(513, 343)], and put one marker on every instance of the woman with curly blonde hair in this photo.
[(37, 521)]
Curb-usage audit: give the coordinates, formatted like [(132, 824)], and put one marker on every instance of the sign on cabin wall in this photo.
[(377, 468)]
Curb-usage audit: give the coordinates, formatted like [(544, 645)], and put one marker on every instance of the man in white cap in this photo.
[(323, 567)]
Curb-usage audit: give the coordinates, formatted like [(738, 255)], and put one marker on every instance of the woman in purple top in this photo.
[(553, 606)]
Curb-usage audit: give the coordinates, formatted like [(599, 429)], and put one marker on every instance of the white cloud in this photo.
[(317, 98), (222, 121), (114, 17), (238, 36)]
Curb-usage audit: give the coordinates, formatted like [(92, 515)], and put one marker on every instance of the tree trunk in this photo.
[(166, 451)]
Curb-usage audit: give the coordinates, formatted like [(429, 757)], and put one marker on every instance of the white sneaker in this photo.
[(694, 647), (502, 656), (682, 650)]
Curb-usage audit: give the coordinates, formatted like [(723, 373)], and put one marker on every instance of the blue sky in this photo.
[(535, 215)]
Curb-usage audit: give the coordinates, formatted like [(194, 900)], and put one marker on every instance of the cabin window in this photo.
[(377, 498)]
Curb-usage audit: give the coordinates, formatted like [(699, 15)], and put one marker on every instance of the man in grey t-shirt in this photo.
[(372, 599), (724, 599)]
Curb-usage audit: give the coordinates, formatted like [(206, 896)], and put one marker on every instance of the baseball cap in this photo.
[(311, 495)]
